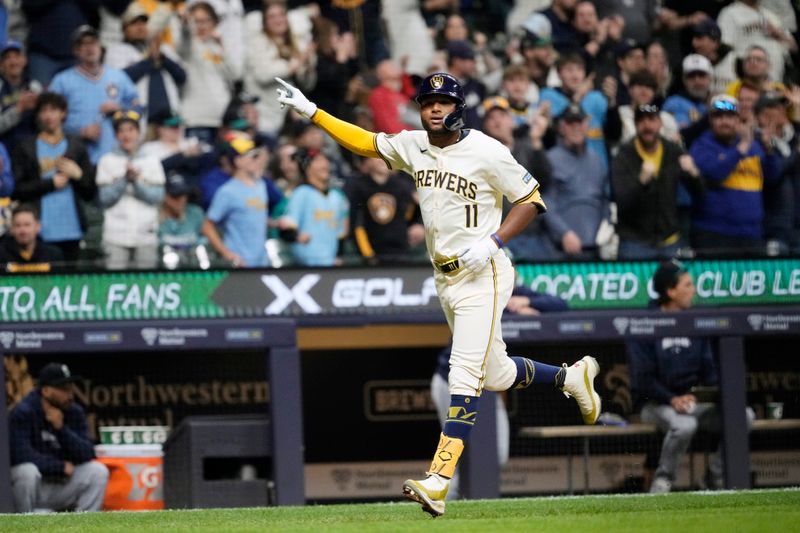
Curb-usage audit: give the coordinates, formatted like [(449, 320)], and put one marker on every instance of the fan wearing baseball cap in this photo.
[(645, 174), (180, 223), (571, 70), (691, 103), (533, 243), (735, 166), (236, 221), (51, 453), (707, 41), (130, 187), (536, 48), (681, 17), (17, 95), (150, 60), (579, 183), (630, 58), (643, 88)]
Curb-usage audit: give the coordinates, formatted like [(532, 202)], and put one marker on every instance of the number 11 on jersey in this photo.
[(472, 215)]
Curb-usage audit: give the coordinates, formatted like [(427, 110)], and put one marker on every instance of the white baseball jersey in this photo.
[(461, 186)]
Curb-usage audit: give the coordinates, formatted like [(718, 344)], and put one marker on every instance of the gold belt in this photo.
[(672, 239), (446, 267)]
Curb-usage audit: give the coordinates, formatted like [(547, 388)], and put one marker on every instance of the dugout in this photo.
[(388, 362), (270, 345)]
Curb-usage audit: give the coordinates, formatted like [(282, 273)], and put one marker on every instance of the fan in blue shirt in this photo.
[(239, 207), (319, 213), (93, 93)]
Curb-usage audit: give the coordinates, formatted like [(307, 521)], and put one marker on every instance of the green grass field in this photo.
[(721, 512)]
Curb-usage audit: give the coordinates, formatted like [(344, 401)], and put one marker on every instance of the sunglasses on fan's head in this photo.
[(125, 116), (723, 105)]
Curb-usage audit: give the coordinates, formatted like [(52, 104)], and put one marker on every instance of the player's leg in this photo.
[(504, 372), (26, 482), (503, 430), (679, 430), (83, 491), (709, 420), (473, 305), (576, 381), (440, 394), (93, 478)]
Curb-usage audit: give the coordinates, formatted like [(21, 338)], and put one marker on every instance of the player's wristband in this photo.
[(497, 240)]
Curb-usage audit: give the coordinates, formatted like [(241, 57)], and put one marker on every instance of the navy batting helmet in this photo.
[(445, 85)]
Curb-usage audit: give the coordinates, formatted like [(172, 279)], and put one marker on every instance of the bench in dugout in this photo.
[(587, 433)]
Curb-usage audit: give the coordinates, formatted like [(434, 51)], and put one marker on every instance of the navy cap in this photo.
[(460, 49), (11, 44), (56, 375), (770, 99), (573, 113), (626, 46), (646, 110), (176, 185), (708, 27)]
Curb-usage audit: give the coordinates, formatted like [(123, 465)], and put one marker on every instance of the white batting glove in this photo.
[(294, 98), (478, 255)]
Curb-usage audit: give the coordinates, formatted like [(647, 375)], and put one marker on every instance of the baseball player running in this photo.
[(461, 176)]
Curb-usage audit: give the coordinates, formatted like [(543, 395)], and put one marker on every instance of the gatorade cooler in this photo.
[(136, 476)]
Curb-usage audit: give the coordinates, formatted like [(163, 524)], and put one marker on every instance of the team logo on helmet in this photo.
[(437, 82)]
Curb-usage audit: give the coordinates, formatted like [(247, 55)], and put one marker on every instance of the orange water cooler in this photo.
[(136, 475)]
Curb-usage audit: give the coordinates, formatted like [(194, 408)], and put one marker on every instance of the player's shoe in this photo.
[(660, 485), (579, 384), (429, 492)]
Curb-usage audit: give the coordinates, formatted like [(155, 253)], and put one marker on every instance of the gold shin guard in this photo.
[(448, 452)]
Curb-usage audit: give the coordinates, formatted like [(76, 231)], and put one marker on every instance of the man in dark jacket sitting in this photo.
[(51, 454)]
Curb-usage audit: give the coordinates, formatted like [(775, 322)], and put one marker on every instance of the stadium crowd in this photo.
[(146, 134)]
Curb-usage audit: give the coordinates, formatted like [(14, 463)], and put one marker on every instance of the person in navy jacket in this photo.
[(52, 456), (664, 373)]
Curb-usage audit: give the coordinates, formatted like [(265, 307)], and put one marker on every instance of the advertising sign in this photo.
[(362, 291), (628, 284)]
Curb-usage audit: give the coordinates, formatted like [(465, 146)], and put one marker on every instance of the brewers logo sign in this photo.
[(437, 81)]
